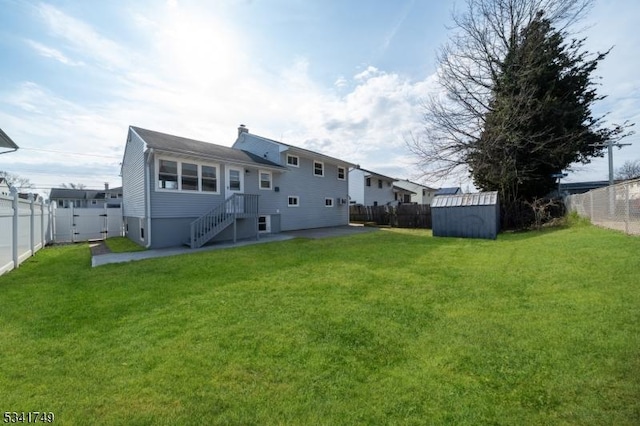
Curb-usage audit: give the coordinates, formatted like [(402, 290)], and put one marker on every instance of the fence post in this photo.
[(32, 224), (16, 216), (591, 206), (43, 238), (626, 208)]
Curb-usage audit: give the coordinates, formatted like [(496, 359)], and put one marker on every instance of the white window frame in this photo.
[(260, 172), (344, 173), (295, 197), (267, 224), (314, 168), (179, 163), (297, 160), (328, 202)]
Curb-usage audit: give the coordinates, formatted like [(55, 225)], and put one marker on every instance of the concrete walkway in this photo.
[(338, 231)]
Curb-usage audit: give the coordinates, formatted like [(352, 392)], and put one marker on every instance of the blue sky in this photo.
[(342, 77)]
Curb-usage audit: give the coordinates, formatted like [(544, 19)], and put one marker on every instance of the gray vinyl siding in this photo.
[(312, 192), (301, 182), (132, 229), (133, 179), (259, 146)]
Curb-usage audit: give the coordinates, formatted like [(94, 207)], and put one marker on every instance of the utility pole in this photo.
[(610, 144)]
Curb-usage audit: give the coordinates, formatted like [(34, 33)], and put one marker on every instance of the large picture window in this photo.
[(174, 175)]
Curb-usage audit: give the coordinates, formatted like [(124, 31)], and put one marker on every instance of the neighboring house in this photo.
[(6, 142), (183, 191), (448, 191), (84, 198), (368, 188), (421, 194)]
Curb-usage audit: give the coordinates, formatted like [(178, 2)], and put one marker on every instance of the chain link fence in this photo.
[(616, 206)]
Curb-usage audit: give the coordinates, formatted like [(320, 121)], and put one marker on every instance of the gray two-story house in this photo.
[(182, 191)]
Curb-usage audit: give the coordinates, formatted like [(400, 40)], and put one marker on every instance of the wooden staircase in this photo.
[(210, 224)]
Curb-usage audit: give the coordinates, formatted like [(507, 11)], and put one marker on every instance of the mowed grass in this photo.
[(391, 327)]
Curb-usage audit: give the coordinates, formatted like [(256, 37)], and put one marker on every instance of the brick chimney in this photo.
[(242, 129), (106, 186)]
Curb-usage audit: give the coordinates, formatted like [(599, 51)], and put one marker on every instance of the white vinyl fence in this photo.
[(616, 206), (25, 228)]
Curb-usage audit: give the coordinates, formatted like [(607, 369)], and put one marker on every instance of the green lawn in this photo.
[(391, 327)]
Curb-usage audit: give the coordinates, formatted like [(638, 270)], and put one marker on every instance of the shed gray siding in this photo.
[(133, 179), (466, 215)]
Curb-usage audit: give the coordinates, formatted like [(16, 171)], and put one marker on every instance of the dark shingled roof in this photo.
[(179, 145)]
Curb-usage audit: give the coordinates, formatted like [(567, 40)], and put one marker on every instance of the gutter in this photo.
[(147, 191)]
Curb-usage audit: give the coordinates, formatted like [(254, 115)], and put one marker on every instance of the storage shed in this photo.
[(466, 215)]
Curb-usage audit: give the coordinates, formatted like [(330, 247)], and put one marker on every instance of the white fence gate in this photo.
[(72, 225)]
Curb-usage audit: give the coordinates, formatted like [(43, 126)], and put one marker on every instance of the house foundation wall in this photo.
[(174, 232)]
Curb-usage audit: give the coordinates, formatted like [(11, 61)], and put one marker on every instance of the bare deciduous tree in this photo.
[(629, 170), (469, 66), (16, 181)]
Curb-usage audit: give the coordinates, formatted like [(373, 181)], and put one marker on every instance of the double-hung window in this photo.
[(318, 168), (189, 177), (341, 173), (168, 174), (209, 179), (265, 179)]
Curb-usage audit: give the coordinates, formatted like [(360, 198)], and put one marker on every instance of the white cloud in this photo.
[(82, 38), (49, 52)]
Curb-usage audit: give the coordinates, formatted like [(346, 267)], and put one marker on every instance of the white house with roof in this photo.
[(182, 191), (420, 194), (369, 188)]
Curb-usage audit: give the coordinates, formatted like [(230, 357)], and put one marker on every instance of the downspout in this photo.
[(148, 195)]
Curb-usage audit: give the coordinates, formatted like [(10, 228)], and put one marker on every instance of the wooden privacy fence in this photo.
[(401, 216)]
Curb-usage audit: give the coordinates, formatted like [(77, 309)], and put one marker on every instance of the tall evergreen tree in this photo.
[(539, 119)]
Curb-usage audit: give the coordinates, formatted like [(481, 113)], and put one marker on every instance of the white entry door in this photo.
[(235, 185)]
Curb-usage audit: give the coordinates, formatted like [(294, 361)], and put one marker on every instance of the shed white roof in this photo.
[(464, 200)]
